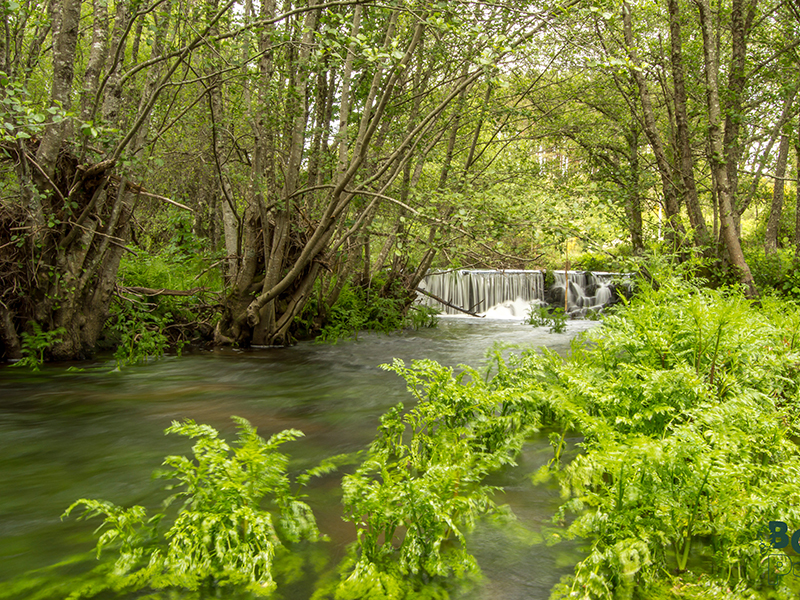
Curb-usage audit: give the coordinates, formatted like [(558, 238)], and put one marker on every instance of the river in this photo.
[(98, 433)]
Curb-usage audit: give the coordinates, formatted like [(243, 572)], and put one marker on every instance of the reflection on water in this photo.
[(98, 433)]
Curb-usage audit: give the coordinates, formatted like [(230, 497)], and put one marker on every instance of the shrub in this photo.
[(359, 309), (421, 486), (779, 272)]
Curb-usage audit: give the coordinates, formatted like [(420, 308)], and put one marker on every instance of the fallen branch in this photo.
[(164, 199), (446, 303), (143, 291), (140, 190)]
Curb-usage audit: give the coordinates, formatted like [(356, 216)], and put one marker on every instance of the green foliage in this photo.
[(359, 309), (35, 344), (540, 315), (140, 333), (422, 317), (143, 327), (599, 261), (22, 118), (778, 272), (421, 486), (687, 401), (236, 512)]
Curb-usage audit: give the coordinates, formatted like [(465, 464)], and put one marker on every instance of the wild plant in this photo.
[(686, 400), (359, 309), (420, 316), (540, 315), (141, 334), (35, 344), (421, 486), (237, 511)]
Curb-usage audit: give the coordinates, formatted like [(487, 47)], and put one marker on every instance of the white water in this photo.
[(509, 294)]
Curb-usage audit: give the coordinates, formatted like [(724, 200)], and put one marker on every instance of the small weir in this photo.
[(509, 293)]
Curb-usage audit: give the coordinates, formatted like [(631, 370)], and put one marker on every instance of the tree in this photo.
[(64, 236), (300, 219)]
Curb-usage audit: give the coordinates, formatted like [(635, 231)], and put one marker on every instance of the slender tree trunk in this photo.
[(719, 165), (65, 41), (797, 194), (691, 199), (742, 14), (230, 217), (773, 224), (5, 34), (159, 42), (633, 204), (116, 58), (744, 200), (675, 230), (97, 56), (20, 68)]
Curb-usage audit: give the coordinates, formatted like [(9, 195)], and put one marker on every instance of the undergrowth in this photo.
[(236, 512), (365, 309), (540, 315), (144, 325), (687, 401)]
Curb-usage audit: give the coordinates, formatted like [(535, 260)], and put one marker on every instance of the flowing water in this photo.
[(97, 433), (486, 291)]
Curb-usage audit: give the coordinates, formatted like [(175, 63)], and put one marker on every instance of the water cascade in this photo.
[(481, 291), (587, 291), (509, 293)]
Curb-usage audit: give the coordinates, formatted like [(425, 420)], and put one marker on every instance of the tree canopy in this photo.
[(311, 147)]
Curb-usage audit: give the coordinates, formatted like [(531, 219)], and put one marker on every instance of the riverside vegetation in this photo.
[(686, 404)]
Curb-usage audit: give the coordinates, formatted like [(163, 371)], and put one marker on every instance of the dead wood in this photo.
[(446, 303)]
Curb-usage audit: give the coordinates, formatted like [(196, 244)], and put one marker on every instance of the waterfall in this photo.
[(509, 293), (481, 290)]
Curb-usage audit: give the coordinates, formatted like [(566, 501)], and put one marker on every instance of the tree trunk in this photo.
[(65, 40), (675, 231), (686, 162), (633, 203), (159, 42), (797, 194), (773, 224), (224, 191), (97, 56), (719, 166), (113, 92), (742, 14)]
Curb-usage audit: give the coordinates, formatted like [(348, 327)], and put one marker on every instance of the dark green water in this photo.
[(99, 434)]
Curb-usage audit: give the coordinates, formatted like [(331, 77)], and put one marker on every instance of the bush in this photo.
[(421, 486), (687, 400), (35, 344), (141, 326)]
